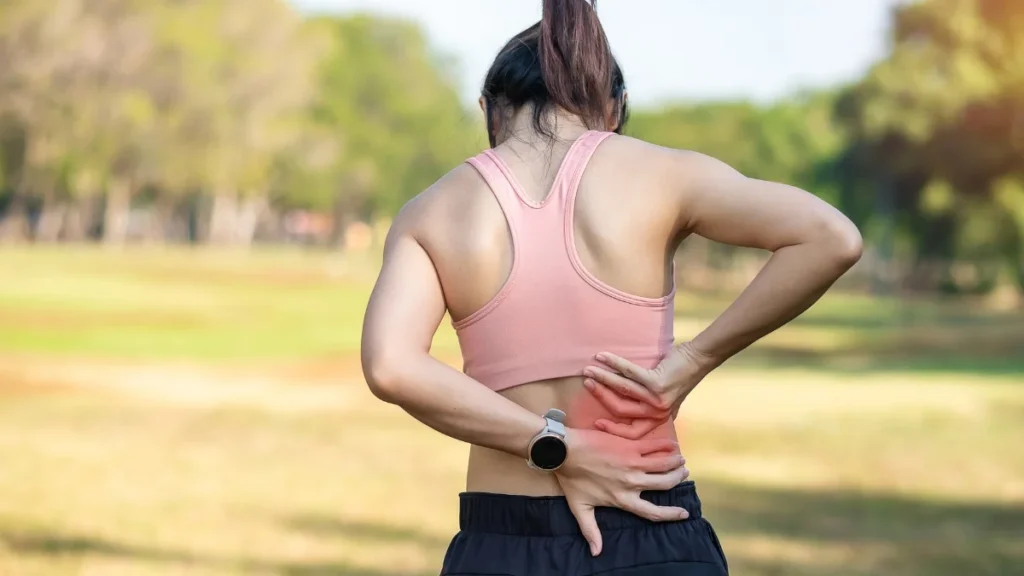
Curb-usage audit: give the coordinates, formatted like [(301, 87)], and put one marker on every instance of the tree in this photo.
[(784, 142), (391, 109), (937, 125), (245, 71)]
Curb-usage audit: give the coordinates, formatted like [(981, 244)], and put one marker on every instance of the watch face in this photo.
[(548, 453)]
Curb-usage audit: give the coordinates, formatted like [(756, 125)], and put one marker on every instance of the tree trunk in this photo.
[(92, 216), (247, 218), (51, 222), (76, 225), (341, 218), (161, 220), (14, 225), (196, 221), (116, 213), (883, 277), (223, 213)]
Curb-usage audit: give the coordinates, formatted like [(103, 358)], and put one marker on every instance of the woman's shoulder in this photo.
[(648, 165), (445, 201), (633, 149), (644, 156)]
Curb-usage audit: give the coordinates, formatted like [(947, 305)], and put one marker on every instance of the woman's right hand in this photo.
[(642, 400), (606, 470)]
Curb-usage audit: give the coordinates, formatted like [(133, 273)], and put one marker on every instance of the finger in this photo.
[(660, 464), (652, 445), (666, 481), (622, 406), (623, 385), (645, 509), (584, 514), (634, 430), (626, 368)]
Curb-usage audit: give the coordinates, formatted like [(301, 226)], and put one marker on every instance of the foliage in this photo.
[(926, 152), (939, 126), (241, 101), (785, 142), (394, 113), (227, 113)]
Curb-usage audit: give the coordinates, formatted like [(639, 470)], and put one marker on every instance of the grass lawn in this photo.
[(176, 412)]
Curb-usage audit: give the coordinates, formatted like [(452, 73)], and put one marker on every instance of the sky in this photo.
[(672, 50)]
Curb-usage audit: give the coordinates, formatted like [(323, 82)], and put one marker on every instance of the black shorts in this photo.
[(502, 535)]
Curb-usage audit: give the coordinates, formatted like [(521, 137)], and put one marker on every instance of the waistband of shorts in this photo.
[(550, 515)]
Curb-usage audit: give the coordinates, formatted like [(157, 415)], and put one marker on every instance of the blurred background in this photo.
[(193, 196)]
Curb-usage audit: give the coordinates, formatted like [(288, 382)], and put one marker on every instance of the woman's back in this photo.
[(623, 223)]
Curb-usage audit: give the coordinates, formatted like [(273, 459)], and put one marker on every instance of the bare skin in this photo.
[(503, 473), (450, 250)]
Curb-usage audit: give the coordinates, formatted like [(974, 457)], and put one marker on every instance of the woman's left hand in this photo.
[(644, 399)]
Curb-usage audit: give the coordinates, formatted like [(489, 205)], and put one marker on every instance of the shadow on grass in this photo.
[(909, 319), (63, 545), (887, 535), (867, 359), (329, 526), (908, 536)]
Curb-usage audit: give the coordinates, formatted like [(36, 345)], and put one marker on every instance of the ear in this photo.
[(615, 115), (483, 105)]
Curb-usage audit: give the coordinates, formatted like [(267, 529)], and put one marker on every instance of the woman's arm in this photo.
[(813, 244), (405, 310)]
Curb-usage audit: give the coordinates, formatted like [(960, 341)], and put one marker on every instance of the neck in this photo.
[(565, 126)]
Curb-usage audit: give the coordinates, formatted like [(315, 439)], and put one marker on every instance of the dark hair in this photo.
[(564, 61)]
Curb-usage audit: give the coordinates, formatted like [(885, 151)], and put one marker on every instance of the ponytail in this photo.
[(563, 61), (575, 61)]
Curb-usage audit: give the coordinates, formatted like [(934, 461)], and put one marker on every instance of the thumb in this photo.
[(584, 514)]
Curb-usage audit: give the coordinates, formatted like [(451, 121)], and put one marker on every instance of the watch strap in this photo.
[(555, 427), (556, 422)]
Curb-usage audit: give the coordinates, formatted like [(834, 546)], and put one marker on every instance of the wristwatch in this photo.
[(548, 449)]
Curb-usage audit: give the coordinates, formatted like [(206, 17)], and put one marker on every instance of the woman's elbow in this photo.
[(835, 240), (384, 378), (846, 245)]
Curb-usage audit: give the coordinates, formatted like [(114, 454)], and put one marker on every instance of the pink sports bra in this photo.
[(552, 316)]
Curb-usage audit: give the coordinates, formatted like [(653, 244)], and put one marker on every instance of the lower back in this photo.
[(501, 473)]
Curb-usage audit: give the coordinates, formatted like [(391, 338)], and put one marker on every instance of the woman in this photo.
[(552, 252)]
